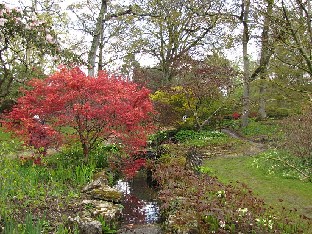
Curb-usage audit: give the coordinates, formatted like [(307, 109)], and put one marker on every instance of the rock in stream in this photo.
[(102, 200)]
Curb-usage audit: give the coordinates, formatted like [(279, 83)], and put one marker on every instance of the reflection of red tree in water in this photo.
[(133, 212)]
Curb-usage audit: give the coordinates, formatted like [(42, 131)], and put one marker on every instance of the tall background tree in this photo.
[(297, 39), (169, 30), (245, 11), (103, 27), (112, 35), (267, 49), (29, 47)]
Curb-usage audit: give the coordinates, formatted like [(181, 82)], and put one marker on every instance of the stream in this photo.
[(140, 206)]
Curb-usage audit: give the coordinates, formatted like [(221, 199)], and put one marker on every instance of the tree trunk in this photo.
[(34, 5), (262, 104), (96, 38), (86, 152), (266, 54), (246, 92), (101, 48)]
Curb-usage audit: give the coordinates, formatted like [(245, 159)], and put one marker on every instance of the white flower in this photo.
[(8, 10), (270, 224), (49, 38), (242, 211), (222, 224), (2, 21), (221, 193), (17, 9), (39, 22), (265, 222)]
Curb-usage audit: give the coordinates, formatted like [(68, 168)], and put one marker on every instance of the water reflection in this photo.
[(139, 201)]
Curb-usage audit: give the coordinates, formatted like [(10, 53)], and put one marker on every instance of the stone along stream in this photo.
[(140, 212)]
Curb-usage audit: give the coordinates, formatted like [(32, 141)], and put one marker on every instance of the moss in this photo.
[(100, 175), (106, 193)]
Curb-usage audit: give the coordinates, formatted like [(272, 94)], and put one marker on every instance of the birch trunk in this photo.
[(96, 38)]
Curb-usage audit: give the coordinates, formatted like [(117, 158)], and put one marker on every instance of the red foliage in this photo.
[(33, 159), (94, 107), (131, 167), (236, 115)]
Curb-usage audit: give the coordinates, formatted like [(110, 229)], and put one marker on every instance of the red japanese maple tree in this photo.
[(94, 107)]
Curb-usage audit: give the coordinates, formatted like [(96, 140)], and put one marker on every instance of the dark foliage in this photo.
[(198, 203)]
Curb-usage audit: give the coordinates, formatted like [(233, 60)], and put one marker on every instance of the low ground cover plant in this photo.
[(284, 164), (187, 135)]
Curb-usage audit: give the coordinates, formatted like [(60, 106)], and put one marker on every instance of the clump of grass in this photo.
[(26, 186), (284, 164), (30, 226)]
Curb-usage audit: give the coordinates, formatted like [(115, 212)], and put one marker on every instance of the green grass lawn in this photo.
[(276, 191)]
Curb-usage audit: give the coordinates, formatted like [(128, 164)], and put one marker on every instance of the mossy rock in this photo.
[(99, 181), (106, 193), (100, 175)]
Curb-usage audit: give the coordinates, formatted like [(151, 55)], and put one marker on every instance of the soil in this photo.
[(254, 147)]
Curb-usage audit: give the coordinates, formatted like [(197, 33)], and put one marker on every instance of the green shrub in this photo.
[(258, 128), (278, 113), (59, 177), (99, 156), (161, 137), (107, 227), (184, 135), (29, 185), (61, 229), (188, 135), (83, 174)]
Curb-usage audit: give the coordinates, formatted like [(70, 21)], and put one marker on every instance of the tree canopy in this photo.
[(112, 35), (94, 108)]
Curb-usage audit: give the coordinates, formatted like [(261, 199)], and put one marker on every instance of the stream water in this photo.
[(139, 201)]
